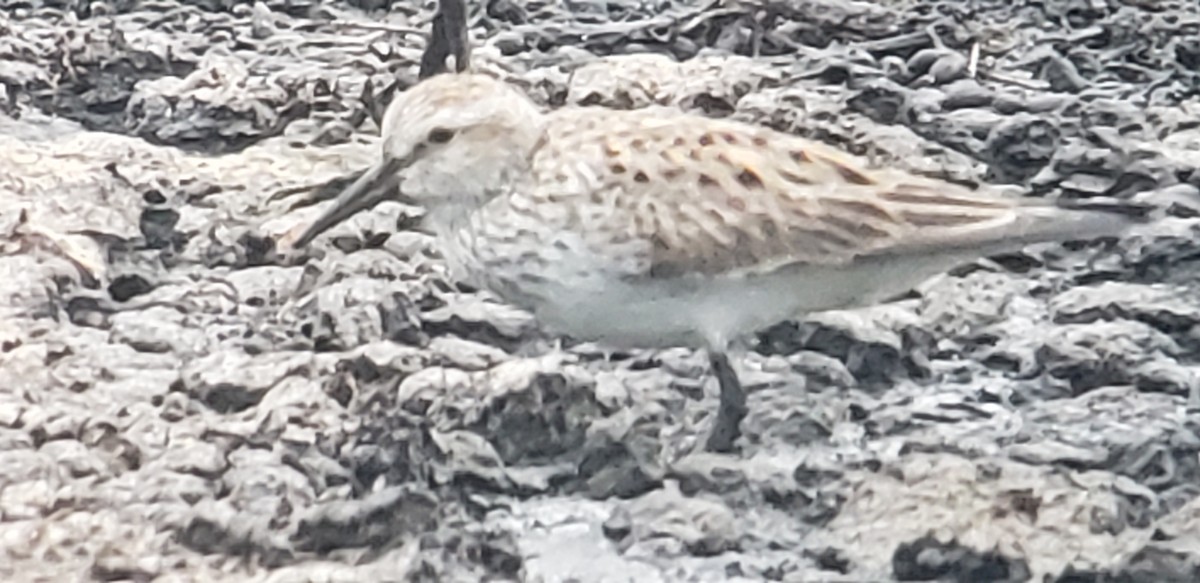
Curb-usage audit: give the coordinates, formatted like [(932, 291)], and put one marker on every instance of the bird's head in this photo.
[(450, 143)]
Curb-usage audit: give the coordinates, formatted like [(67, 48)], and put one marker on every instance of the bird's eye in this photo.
[(441, 135)]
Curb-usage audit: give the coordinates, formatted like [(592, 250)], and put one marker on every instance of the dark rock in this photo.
[(927, 559)]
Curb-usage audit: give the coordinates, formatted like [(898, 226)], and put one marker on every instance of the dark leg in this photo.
[(732, 408)]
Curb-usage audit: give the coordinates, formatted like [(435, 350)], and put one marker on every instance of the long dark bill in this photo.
[(369, 190)]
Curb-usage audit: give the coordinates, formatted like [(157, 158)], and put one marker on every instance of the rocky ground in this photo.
[(181, 402)]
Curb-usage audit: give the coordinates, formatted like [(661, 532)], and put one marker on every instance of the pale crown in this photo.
[(461, 139)]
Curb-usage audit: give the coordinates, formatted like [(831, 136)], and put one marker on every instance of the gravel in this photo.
[(179, 401)]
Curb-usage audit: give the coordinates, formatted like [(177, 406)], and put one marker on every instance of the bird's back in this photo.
[(694, 195)]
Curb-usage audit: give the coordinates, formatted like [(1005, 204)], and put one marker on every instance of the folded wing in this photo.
[(712, 197)]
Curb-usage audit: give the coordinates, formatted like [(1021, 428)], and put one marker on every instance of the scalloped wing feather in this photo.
[(714, 197)]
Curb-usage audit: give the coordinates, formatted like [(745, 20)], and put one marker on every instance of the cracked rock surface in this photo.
[(181, 402)]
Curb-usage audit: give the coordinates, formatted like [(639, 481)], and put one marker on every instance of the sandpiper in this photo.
[(656, 228)]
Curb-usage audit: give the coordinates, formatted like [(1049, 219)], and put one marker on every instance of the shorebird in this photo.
[(658, 228)]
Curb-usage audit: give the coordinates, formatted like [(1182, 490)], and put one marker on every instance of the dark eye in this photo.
[(441, 135)]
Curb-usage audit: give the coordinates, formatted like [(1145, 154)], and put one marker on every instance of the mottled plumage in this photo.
[(728, 199), (658, 228)]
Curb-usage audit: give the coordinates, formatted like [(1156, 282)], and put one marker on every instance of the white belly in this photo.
[(574, 292), (714, 311)]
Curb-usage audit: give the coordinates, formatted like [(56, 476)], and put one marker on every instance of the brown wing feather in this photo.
[(714, 197)]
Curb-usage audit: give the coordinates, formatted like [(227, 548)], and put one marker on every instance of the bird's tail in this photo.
[(1093, 217)]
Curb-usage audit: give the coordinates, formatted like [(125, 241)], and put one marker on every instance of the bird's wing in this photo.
[(715, 197)]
